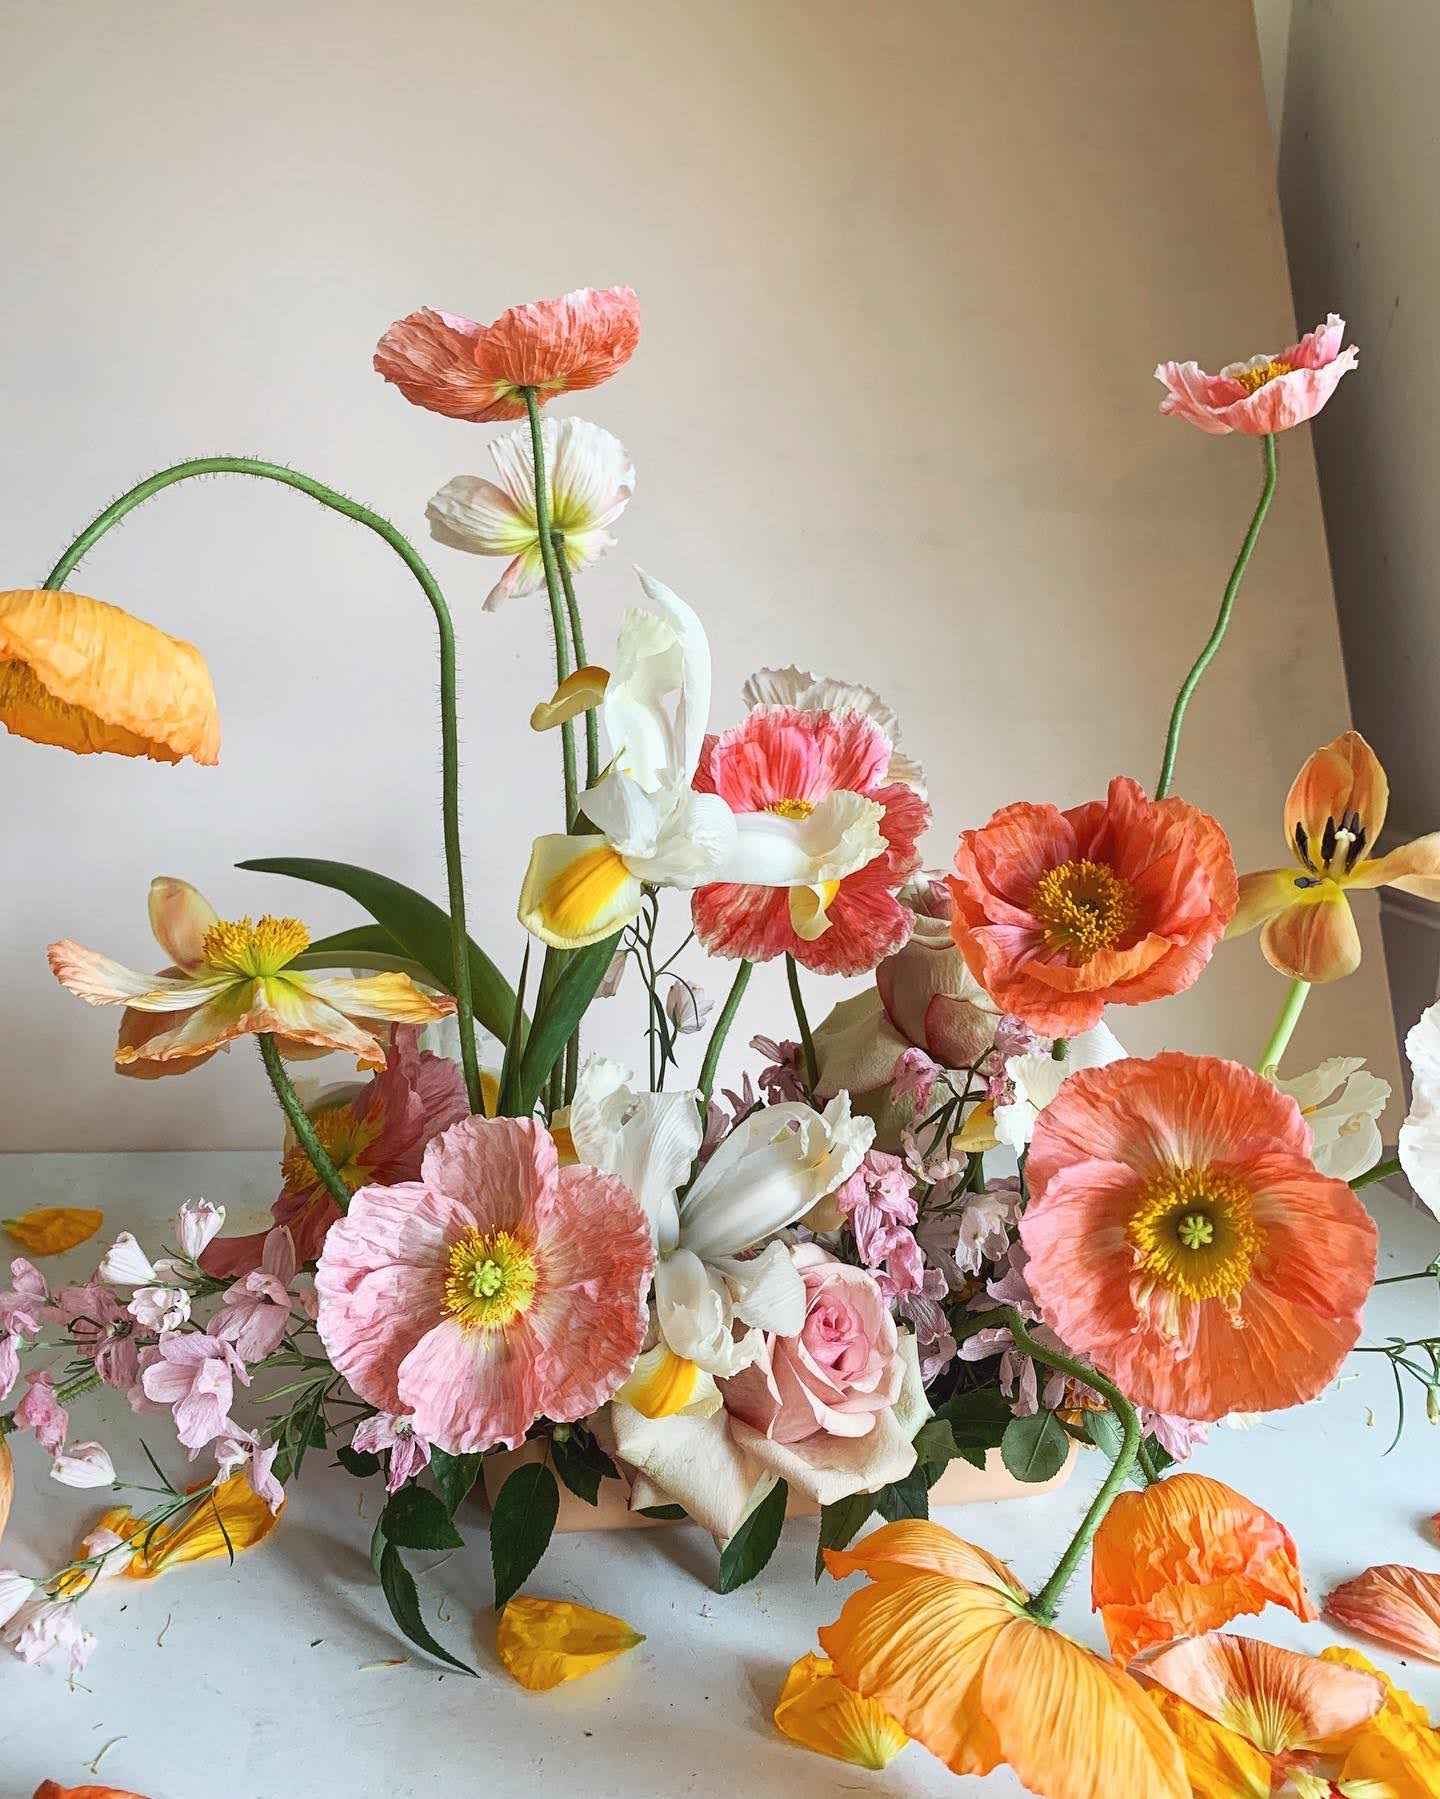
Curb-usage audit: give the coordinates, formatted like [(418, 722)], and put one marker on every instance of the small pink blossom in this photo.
[(101, 1330), (924, 1311), (125, 1264), (41, 1412), (783, 1076), (83, 1465), (196, 1223), (20, 1314), (914, 1077), (159, 1308), (256, 1310), (1178, 1437), (939, 1163), (102, 1547), (260, 1475), (880, 1207), (1266, 394), (46, 1628), (194, 1374), (408, 1450), (687, 1006)]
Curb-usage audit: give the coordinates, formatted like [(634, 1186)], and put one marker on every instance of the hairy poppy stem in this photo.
[(1227, 606), (577, 643), (449, 729), (722, 1030), (1279, 1039), (554, 588), (807, 1041), (1382, 1172), (299, 1120)]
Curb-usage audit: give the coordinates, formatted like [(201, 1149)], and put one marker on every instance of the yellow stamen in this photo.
[(1252, 378), (1195, 1233), (344, 1138), (1085, 907), (254, 947), (796, 809), (582, 890), (492, 1279)]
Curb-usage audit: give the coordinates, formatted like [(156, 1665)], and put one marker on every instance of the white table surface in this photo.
[(252, 1682)]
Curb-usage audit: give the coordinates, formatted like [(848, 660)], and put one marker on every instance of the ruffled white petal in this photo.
[(469, 513), (695, 1316), (766, 1290), (839, 836), (647, 1140), (1036, 1079)]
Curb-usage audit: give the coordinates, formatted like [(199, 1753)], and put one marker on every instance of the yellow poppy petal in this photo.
[(546, 1641), (664, 1385), (232, 1518), (1413, 868), (51, 1230), (576, 891), (819, 1712), (977, 1132), (577, 693), (1220, 1765)]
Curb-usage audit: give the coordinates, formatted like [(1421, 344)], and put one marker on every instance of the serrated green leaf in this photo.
[(521, 1524), (454, 1476), (359, 1462), (908, 1497), (840, 1524), (672, 1514), (1034, 1449), (935, 1447), (978, 1421), (753, 1544), (557, 1016), (416, 1518), (398, 1585), (582, 1464)]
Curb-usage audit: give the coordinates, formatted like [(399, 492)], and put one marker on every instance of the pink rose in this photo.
[(839, 1372)]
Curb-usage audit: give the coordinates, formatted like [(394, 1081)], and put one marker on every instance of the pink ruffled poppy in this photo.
[(812, 801), (1266, 394), (453, 366), (496, 1288), (1181, 1238)]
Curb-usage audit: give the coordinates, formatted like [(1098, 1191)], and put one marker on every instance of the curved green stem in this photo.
[(577, 641), (449, 728), (554, 588), (1381, 1172), (1279, 1039), (807, 1042), (722, 1030), (1227, 606), (299, 1121)]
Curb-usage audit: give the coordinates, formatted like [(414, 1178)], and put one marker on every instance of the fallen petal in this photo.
[(544, 1642), (818, 1711)]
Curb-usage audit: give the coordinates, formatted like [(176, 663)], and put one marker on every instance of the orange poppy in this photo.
[(1333, 815), (90, 677), (47, 1789), (1399, 1607), (942, 1640)]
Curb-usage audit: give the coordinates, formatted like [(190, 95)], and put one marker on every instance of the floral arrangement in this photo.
[(953, 1223)]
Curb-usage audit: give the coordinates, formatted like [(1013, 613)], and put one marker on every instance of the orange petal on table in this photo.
[(51, 1230), (231, 1519), (1186, 1556), (546, 1641), (1341, 780), (914, 1546), (1314, 942), (1396, 1606), (820, 1712), (47, 1789), (1219, 1764)]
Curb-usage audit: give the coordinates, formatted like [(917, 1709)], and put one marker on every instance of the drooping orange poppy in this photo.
[(1186, 1556), (90, 677), (1333, 815)]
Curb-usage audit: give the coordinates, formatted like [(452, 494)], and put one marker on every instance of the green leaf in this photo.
[(377, 1545), (582, 1464), (978, 1421), (454, 1475), (417, 924), (905, 1498), (672, 1514), (840, 1524), (359, 1462), (514, 1046), (362, 939), (1034, 1449), (753, 1544), (416, 1518), (558, 1016), (398, 1585), (935, 1448), (1105, 1431), (526, 1508)]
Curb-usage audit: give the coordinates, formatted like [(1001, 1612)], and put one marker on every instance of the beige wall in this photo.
[(905, 272)]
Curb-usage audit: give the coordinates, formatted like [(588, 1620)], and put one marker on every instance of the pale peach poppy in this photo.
[(453, 366), (1333, 815), (1399, 1607), (90, 677), (1180, 1237), (1266, 394)]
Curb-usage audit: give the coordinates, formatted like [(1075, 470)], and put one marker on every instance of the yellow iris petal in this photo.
[(546, 1641), (51, 1230), (577, 693), (664, 1384), (819, 1712)]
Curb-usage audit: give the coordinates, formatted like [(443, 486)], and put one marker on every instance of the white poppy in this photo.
[(1342, 1102), (1037, 1078), (1420, 1133)]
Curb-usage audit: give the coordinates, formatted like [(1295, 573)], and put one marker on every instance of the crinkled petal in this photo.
[(544, 1642)]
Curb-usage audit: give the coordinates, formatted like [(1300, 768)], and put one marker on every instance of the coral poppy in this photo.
[(1115, 902), (48, 1789), (497, 1287), (1180, 1236), (374, 1134), (1266, 394), (943, 1641), (90, 677), (453, 366), (1399, 1607), (1334, 813), (236, 978), (1184, 1556), (824, 841)]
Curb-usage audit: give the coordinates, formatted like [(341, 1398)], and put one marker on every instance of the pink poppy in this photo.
[(453, 366), (374, 1132), (496, 1288), (829, 837), (1266, 394), (195, 1376), (256, 1309)]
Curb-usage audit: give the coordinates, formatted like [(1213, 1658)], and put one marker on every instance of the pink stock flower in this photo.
[(497, 1287), (194, 1374), (1266, 394), (924, 1312), (256, 1310), (21, 1310), (914, 1077), (46, 1628), (1178, 1437), (101, 1330), (41, 1412), (783, 1076), (787, 770), (84, 1465), (451, 365), (259, 1472), (880, 1207), (198, 1221), (374, 1132), (409, 1452), (841, 1370), (159, 1308)]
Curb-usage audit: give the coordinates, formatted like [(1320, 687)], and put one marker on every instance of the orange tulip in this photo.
[(1399, 1607), (90, 678), (1333, 815), (1185, 1556), (943, 1642)]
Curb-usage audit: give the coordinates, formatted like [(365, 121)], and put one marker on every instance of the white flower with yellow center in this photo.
[(1342, 1102)]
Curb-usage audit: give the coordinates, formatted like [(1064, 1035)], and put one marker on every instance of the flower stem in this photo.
[(1227, 606), (722, 1030), (299, 1121), (1380, 1172), (577, 642), (1279, 1039), (807, 1042), (449, 729), (557, 598)]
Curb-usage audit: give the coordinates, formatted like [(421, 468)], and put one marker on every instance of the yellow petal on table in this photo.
[(546, 1641), (819, 1712), (232, 1518), (51, 1230)]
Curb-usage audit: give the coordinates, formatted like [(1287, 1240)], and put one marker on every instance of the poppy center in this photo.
[(1262, 373), (492, 1278), (344, 1138), (254, 948), (791, 808), (1195, 1233), (1085, 907)]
